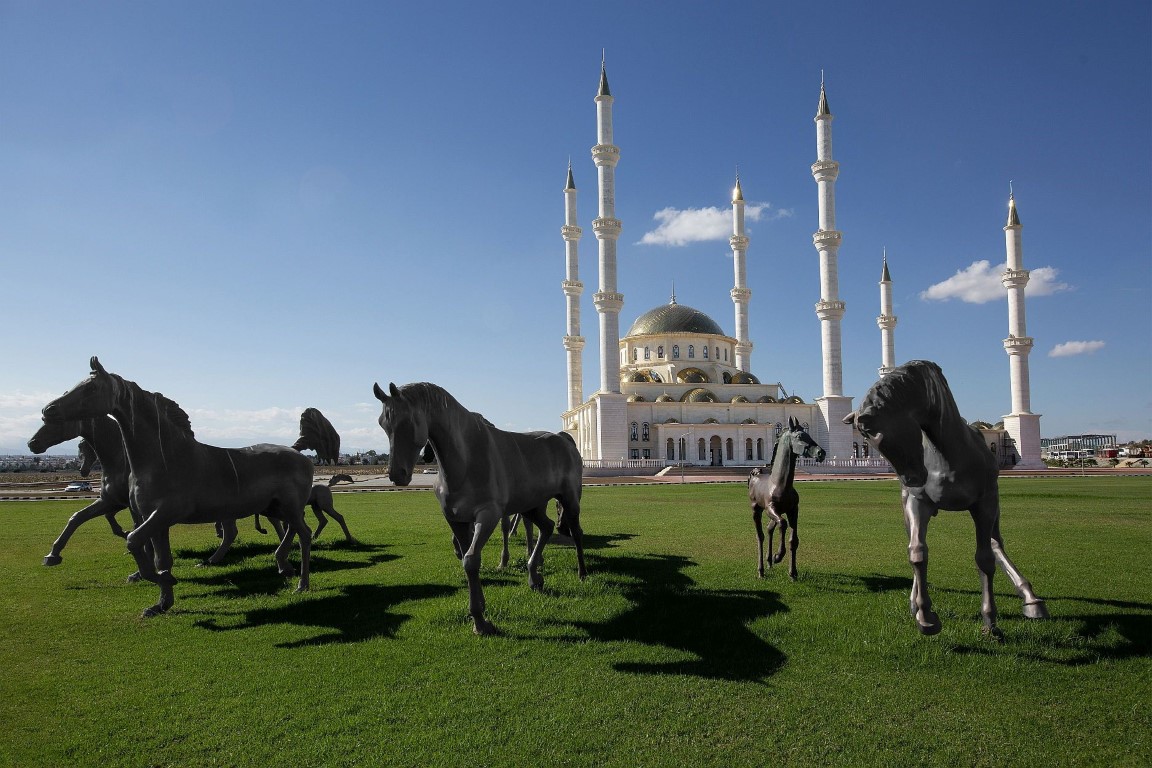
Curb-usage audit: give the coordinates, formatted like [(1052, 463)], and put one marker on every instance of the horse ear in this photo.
[(379, 393), (96, 367), (792, 422), (392, 388)]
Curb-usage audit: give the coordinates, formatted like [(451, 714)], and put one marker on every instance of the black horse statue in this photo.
[(775, 493), (177, 479), (910, 416), (318, 434), (485, 474)]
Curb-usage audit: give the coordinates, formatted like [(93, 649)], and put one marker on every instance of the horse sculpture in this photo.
[(177, 479), (318, 434), (485, 474), (910, 416), (776, 494), (102, 442)]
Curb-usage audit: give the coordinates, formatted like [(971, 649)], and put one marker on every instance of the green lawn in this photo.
[(672, 653)]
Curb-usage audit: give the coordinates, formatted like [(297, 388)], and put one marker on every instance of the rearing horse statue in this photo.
[(775, 493), (910, 416), (486, 474)]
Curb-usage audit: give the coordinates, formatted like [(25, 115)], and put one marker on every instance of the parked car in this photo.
[(81, 486)]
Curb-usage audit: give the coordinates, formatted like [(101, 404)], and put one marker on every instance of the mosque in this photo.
[(677, 388)]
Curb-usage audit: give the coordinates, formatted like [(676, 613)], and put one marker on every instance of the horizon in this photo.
[(256, 207)]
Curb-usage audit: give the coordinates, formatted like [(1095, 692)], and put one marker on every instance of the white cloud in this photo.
[(979, 283), (1070, 348), (694, 225)]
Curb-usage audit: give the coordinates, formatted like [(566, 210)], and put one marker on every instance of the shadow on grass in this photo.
[(360, 612), (667, 612), (260, 577)]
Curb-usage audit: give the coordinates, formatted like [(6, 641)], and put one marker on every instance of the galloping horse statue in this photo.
[(102, 441), (317, 433), (775, 493), (910, 416), (176, 479), (485, 474)]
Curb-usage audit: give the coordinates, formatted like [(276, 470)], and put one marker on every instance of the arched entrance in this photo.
[(715, 451)]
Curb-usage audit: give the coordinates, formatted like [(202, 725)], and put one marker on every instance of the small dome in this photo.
[(748, 421), (674, 318), (672, 421), (692, 376), (639, 376), (636, 398), (766, 399), (711, 420), (665, 398), (743, 377), (793, 400), (739, 399), (699, 395)]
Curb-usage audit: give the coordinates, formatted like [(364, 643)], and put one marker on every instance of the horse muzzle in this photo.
[(400, 477)]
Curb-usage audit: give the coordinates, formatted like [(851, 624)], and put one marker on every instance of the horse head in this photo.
[(896, 434), (94, 396), (88, 458), (54, 433), (802, 443), (406, 425)]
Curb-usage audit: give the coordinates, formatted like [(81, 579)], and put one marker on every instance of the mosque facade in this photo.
[(677, 388)]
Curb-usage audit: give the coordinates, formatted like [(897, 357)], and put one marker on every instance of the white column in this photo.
[(573, 288), (887, 323), (1022, 425), (608, 300), (740, 292)]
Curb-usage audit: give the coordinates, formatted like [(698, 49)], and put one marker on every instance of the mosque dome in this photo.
[(743, 377), (699, 395), (665, 398), (636, 398), (674, 318), (692, 376)]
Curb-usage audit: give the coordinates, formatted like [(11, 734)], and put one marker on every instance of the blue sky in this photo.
[(258, 207)]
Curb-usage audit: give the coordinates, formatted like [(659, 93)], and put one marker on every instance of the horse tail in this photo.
[(567, 519)]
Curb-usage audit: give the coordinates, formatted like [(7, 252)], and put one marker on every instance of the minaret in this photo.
[(1022, 425), (887, 322), (612, 434), (573, 288), (833, 404), (740, 293)]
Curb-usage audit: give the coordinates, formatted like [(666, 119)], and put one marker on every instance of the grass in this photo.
[(671, 653)]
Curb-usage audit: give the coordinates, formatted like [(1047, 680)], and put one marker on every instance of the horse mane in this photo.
[(168, 409), (434, 397), (918, 380)]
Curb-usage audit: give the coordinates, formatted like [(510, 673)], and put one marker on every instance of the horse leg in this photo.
[(228, 532), (757, 518), (340, 520), (164, 578), (773, 521), (480, 531), (1034, 606), (793, 543), (569, 513), (114, 524), (982, 517), (256, 524), (536, 559), (321, 522), (140, 546), (506, 525), (916, 517), (93, 510)]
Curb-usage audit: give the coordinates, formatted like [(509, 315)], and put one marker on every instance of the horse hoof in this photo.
[(153, 611), (204, 564), (992, 633), (133, 577), (53, 559), (286, 572), (1036, 610), (485, 629), (792, 576), (929, 624)]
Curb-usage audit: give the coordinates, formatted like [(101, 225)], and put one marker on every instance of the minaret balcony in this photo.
[(886, 322), (570, 232), (1018, 345), (826, 238), (825, 170), (740, 295), (572, 287), (608, 302), (606, 154), (1015, 278), (738, 242), (830, 310), (606, 229)]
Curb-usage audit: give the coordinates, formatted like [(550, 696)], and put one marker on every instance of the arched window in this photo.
[(702, 449), (748, 449), (647, 353), (725, 355), (760, 449), (671, 450), (632, 433), (728, 452), (705, 351), (675, 351), (717, 353), (635, 355), (644, 435), (855, 450), (691, 351), (660, 351)]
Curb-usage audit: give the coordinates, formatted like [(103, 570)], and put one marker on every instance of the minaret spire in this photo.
[(1022, 425), (573, 288), (886, 321), (740, 293), (612, 434), (834, 406)]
